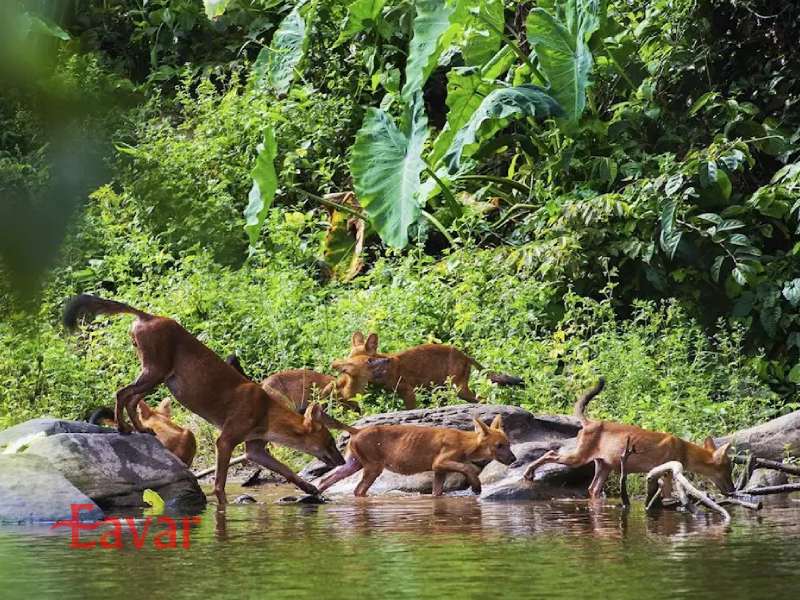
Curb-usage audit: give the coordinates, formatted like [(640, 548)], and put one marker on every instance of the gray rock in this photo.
[(519, 424), (31, 490), (773, 439), (765, 478), (393, 483), (115, 469), (501, 482), (46, 427), (244, 499)]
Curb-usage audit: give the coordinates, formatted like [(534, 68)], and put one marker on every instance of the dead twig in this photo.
[(770, 489), (623, 474), (210, 470), (737, 502), (685, 488)]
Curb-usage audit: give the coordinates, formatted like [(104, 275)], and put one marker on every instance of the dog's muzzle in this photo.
[(333, 459), (507, 458)]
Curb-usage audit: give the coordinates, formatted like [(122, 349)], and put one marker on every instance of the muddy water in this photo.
[(421, 547)]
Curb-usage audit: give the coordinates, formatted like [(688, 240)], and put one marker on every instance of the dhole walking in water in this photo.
[(410, 449), (604, 442), (207, 386), (422, 366)]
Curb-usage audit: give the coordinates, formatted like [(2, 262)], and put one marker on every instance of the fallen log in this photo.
[(737, 502), (684, 487), (754, 462), (210, 470), (772, 489)]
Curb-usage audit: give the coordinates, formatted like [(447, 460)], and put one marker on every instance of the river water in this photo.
[(423, 547)]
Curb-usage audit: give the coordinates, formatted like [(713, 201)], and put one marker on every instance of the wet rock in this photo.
[(501, 482), (772, 440), (766, 478), (307, 499), (18, 436), (520, 425), (115, 469), (244, 499), (391, 483), (31, 491)]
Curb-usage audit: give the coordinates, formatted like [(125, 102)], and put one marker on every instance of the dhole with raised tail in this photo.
[(604, 442), (203, 383), (410, 449), (424, 366)]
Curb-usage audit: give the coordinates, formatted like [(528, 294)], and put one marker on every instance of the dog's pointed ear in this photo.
[(721, 452), (312, 420), (372, 343), (497, 423), (165, 407), (357, 339), (709, 444), (480, 427), (144, 410)]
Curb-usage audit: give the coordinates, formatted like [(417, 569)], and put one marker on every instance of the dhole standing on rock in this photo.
[(604, 442), (410, 449), (424, 366), (207, 386)]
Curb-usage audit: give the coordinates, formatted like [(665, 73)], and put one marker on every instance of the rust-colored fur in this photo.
[(178, 440), (422, 366), (409, 449), (604, 442), (206, 385)]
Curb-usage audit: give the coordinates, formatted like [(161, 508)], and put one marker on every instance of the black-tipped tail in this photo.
[(87, 306), (583, 401), (503, 379)]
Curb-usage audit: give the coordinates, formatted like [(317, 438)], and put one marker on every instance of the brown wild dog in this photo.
[(203, 383), (410, 449), (422, 366), (178, 440), (301, 386), (604, 442)]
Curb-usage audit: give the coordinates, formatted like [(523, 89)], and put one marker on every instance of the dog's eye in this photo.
[(498, 445)]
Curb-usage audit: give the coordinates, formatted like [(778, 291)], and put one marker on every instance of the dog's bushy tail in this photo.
[(498, 378), (104, 413), (504, 379), (583, 401), (87, 306)]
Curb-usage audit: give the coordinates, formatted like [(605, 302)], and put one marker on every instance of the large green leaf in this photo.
[(275, 66), (519, 101), (386, 165), (431, 21), (483, 33), (360, 14), (561, 45), (265, 183), (215, 8), (466, 89)]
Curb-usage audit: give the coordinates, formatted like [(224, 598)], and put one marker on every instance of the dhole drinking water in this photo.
[(604, 442), (422, 366), (410, 449), (207, 386)]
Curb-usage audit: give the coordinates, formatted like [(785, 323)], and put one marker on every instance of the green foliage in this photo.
[(265, 182), (275, 66)]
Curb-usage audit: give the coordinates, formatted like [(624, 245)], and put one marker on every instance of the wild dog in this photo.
[(410, 449), (422, 366), (207, 386), (178, 440), (604, 441), (301, 386)]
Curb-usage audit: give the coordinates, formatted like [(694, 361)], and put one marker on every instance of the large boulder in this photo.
[(111, 469), (520, 425), (773, 439), (501, 482), (32, 490), (115, 469)]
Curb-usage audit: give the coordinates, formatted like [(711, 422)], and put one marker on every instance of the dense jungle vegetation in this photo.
[(561, 188)]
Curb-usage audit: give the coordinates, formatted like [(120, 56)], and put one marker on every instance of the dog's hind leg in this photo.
[(256, 451), (348, 468), (367, 479), (601, 472)]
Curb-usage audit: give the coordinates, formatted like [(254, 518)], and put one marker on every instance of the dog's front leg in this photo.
[(469, 471), (256, 451), (348, 468)]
